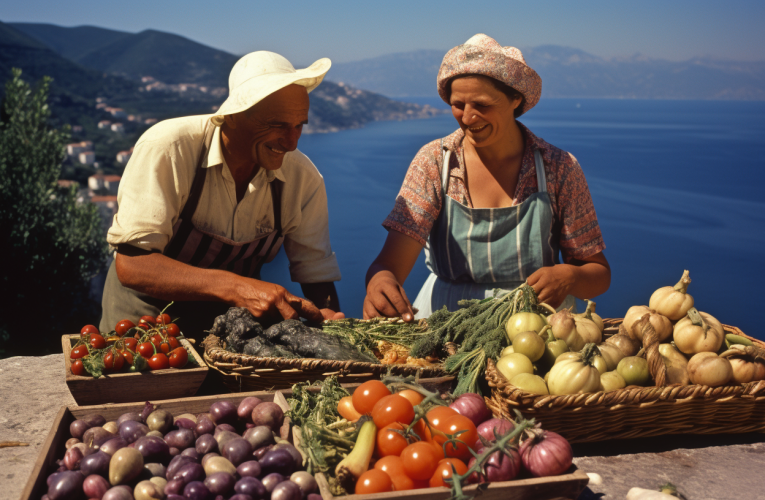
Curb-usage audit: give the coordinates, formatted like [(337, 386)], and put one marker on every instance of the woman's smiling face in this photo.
[(483, 112)]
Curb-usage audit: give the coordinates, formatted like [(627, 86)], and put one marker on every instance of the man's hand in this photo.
[(269, 300), (553, 284), (330, 314), (385, 297)]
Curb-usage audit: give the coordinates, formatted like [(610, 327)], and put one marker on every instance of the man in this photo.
[(205, 201)]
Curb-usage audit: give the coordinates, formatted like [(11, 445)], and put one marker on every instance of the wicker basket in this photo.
[(635, 412), (242, 372)]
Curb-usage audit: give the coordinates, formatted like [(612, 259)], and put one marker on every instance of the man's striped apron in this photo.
[(472, 251), (199, 249)]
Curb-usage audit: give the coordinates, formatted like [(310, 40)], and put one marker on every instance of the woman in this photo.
[(492, 204)]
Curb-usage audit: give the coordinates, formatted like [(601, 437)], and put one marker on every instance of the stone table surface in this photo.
[(32, 390)]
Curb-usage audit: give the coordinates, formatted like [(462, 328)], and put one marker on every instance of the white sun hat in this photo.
[(260, 74)]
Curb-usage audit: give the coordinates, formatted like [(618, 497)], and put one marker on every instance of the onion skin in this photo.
[(486, 429), (498, 466), (707, 368), (472, 406), (546, 454), (673, 302)]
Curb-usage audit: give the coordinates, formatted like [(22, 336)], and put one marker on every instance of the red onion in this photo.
[(546, 454), (486, 430), (471, 406), (498, 467)]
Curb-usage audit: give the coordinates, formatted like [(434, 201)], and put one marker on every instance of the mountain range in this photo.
[(573, 73)]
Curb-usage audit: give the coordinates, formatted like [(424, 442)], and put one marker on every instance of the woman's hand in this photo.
[(553, 284), (385, 297), (584, 279)]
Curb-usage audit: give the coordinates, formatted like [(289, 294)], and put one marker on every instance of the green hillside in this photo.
[(72, 43), (166, 57)]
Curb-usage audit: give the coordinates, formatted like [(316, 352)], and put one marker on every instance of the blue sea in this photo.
[(676, 185)]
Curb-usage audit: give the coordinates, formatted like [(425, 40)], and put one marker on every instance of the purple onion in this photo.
[(153, 449), (190, 472), (176, 463), (261, 452), (287, 490), (196, 490), (94, 420), (220, 483), (292, 451), (181, 439), (185, 423), (259, 436), (130, 430), (268, 414), (66, 486), (95, 436), (95, 486), (121, 492), (498, 467), (313, 496), (73, 457), (237, 451), (224, 427), (251, 486), (250, 468), (486, 430), (78, 427), (471, 406), (175, 487), (173, 496), (112, 445), (148, 409), (305, 481), (224, 437), (271, 480), (223, 412), (204, 425), (97, 463), (244, 410), (206, 444), (280, 461), (192, 453), (135, 417), (240, 496)]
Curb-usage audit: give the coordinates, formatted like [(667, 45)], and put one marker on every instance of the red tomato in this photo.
[(393, 408), (367, 394), (178, 357), (123, 326), (159, 362), (113, 361), (77, 367), (346, 410), (458, 424), (148, 320), (444, 471), (130, 343), (172, 330), (156, 339), (414, 397), (129, 356), (373, 481), (163, 319), (96, 341), (390, 442), (79, 352), (394, 467), (87, 330), (146, 349), (420, 460), (437, 415)]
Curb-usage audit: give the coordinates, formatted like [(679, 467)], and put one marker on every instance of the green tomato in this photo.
[(611, 381), (552, 351), (513, 364), (634, 370), (507, 350), (530, 383), (523, 322), (529, 344)]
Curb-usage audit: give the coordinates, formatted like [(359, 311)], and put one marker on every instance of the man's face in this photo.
[(268, 130)]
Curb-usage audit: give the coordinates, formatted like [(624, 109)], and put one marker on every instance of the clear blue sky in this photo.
[(353, 30)]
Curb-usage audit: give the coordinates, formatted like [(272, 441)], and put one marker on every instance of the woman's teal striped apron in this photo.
[(472, 251)]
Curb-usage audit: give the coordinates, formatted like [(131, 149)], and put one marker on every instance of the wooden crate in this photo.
[(565, 486), (54, 446), (129, 387)]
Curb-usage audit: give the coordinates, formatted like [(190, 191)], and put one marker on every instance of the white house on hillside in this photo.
[(109, 182), (76, 148), (118, 127), (87, 157), (104, 124), (124, 156)]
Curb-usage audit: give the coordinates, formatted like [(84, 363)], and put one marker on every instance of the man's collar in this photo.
[(215, 158)]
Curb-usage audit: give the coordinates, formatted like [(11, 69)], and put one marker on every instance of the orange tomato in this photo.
[(420, 460), (390, 442), (391, 409), (394, 467), (414, 397), (346, 410), (436, 416), (468, 435), (373, 481), (422, 430), (444, 471), (367, 394)]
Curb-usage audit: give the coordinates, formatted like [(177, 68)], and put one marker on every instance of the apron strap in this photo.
[(445, 157), (541, 178)]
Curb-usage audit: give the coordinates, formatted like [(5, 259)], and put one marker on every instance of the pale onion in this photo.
[(659, 322), (676, 363), (673, 302), (513, 364), (744, 371), (573, 376), (530, 383), (698, 332), (597, 361), (707, 368), (624, 343), (530, 344), (507, 350), (523, 322), (546, 453), (611, 354), (593, 316), (611, 381), (575, 330)]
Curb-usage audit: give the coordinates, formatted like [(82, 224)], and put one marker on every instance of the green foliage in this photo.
[(51, 245)]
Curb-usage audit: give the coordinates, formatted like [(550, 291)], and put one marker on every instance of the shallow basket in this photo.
[(242, 372), (635, 412)]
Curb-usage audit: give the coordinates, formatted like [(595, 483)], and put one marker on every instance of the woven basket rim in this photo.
[(631, 395)]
